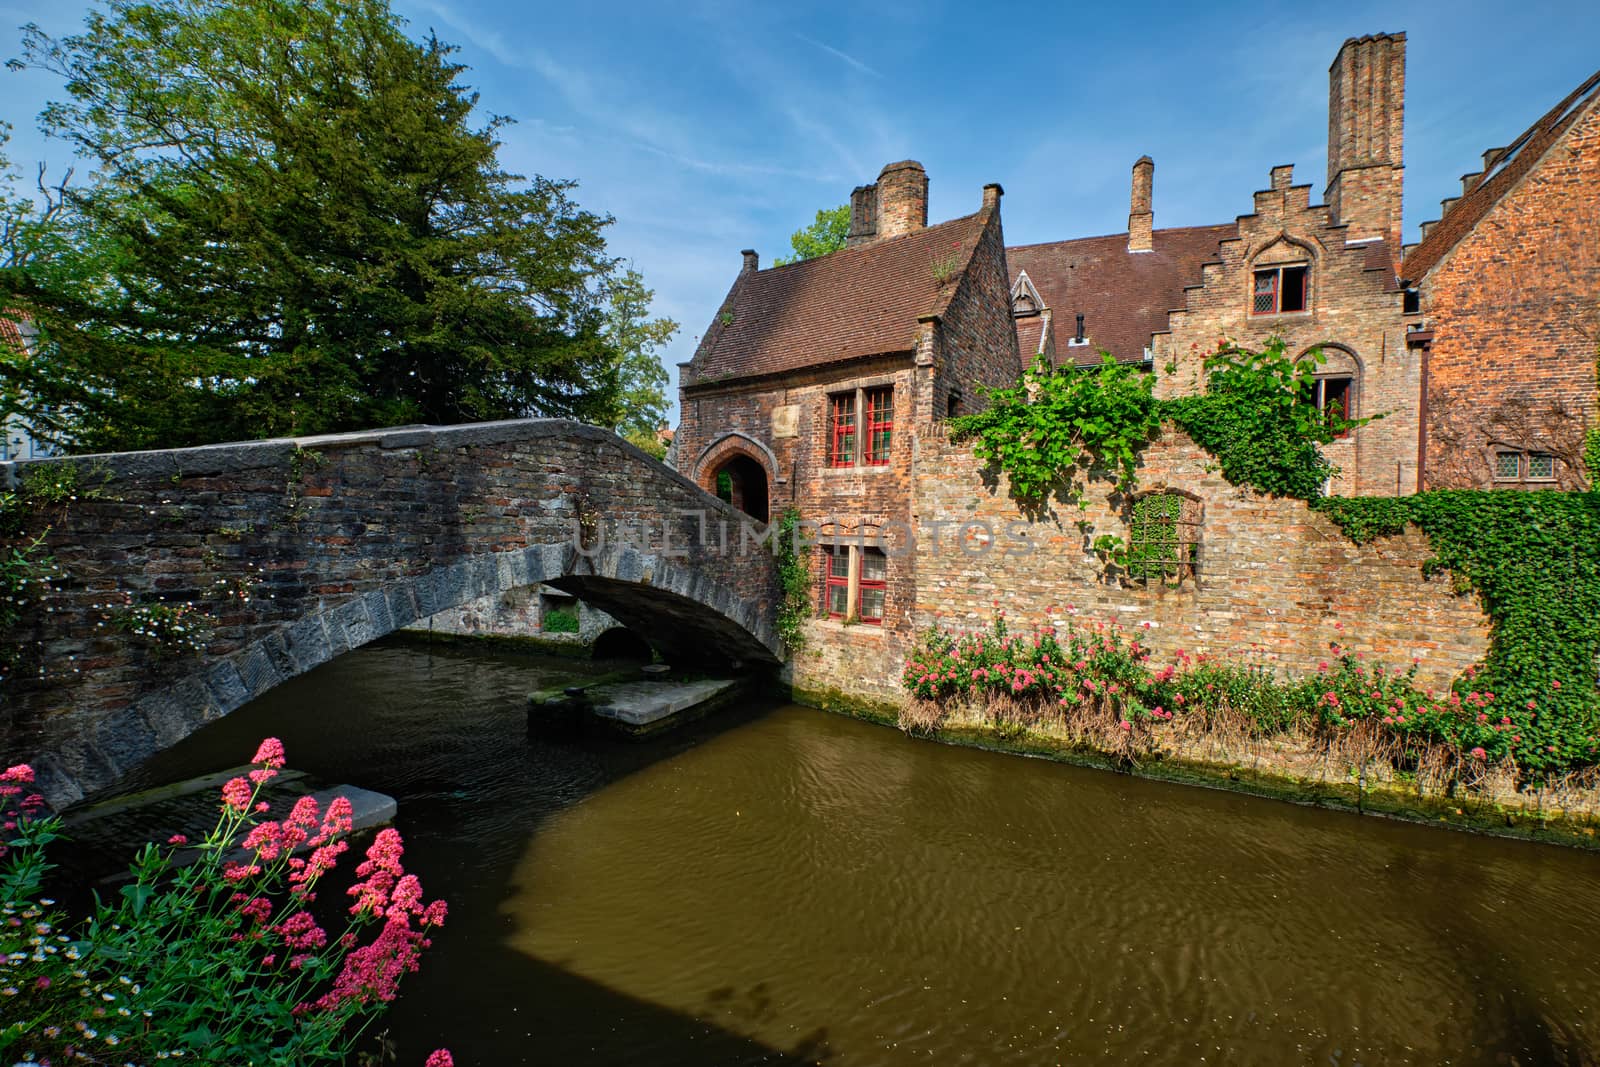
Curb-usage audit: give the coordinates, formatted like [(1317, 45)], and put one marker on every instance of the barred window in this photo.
[(1164, 538)]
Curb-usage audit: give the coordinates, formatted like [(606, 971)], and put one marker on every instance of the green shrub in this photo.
[(560, 620)]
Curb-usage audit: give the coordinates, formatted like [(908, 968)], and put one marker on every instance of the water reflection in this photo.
[(780, 885)]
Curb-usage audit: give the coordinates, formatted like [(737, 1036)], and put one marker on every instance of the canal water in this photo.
[(777, 885)]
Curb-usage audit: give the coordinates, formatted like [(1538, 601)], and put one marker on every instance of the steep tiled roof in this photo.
[(856, 302), (1123, 296), (11, 331), (1505, 170)]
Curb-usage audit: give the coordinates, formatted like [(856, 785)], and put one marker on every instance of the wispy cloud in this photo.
[(840, 55)]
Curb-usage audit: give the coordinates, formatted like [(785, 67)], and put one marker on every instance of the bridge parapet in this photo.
[(298, 550)]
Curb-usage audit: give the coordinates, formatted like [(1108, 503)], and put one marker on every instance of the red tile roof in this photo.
[(11, 332), (1123, 296), (1504, 172), (855, 302)]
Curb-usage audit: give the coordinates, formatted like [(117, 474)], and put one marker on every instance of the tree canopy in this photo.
[(826, 234), (636, 339), (299, 224)]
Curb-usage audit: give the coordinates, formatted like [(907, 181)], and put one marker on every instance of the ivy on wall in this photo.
[(1533, 558), (793, 555), (1256, 417)]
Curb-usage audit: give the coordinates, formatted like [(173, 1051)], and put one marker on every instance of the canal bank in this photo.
[(773, 884), (1271, 771)]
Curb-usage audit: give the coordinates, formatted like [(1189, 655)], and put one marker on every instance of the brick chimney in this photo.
[(1141, 220), (902, 198), (863, 216), (1366, 135), (752, 261)]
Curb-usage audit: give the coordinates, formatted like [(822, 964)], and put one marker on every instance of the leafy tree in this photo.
[(636, 339), (826, 234), (300, 229)]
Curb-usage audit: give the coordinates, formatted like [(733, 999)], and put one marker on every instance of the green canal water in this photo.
[(777, 885)]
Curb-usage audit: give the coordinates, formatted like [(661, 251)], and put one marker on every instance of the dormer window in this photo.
[(1279, 290), (1025, 299)]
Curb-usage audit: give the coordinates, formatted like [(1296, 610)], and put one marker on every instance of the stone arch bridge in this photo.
[(299, 550)]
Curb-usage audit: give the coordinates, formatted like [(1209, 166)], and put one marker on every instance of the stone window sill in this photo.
[(863, 628), (836, 472)]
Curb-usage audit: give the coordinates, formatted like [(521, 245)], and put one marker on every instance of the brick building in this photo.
[(1321, 276), (1509, 310), (823, 385), (814, 381)]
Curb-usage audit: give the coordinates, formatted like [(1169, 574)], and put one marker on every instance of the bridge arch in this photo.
[(357, 535)]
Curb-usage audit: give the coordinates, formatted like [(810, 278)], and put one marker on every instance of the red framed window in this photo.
[(880, 425), (874, 579), (836, 588), (1280, 289), (842, 430)]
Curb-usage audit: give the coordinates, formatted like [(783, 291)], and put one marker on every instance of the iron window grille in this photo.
[(1164, 538)]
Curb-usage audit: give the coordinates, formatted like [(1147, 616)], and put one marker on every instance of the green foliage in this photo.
[(649, 442), (1257, 417), (637, 340), (1047, 431), (297, 226), (1534, 560), (1096, 675), (208, 956), (165, 629), (826, 234), (1591, 455), (560, 620), (795, 580), (1155, 548)]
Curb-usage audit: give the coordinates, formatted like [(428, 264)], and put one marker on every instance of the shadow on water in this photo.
[(394, 717)]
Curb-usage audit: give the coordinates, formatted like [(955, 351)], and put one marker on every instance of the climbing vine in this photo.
[(1257, 417), (794, 580), (1533, 558)]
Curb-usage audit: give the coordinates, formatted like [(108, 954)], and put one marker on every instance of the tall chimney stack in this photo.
[(902, 198), (863, 216), (1141, 220), (1366, 135)]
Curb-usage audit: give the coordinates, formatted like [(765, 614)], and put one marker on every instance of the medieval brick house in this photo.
[(1321, 276), (823, 385), (1508, 316), (814, 381)]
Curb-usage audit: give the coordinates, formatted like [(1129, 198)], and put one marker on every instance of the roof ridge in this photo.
[(880, 242), (1511, 164)]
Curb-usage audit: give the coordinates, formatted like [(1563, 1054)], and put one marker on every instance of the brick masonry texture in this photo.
[(1278, 583), (347, 538), (1514, 309), (1355, 318)]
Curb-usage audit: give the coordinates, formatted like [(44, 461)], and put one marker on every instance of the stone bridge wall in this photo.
[(340, 540)]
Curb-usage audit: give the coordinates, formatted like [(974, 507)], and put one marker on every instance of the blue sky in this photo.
[(708, 126)]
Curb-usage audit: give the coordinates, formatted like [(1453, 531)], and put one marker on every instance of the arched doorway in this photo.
[(742, 482)]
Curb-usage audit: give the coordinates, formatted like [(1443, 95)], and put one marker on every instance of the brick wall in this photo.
[(977, 337), (1355, 316), (1515, 314), (343, 539), (1277, 581)]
